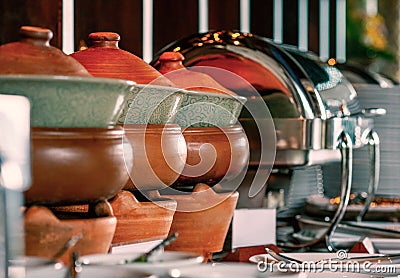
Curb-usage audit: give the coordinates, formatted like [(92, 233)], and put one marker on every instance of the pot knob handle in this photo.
[(104, 39), (36, 35), (170, 61)]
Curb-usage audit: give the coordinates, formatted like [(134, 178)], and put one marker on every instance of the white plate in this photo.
[(375, 267), (159, 264), (240, 270), (103, 271)]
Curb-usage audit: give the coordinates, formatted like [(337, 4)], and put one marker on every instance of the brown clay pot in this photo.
[(214, 153), (46, 233), (141, 221), (105, 59), (170, 64), (77, 165), (201, 220), (159, 155), (33, 54)]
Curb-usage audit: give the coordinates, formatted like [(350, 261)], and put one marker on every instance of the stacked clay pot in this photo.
[(218, 152), (159, 148), (76, 158)]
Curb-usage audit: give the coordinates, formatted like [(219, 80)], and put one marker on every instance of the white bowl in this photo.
[(159, 264)]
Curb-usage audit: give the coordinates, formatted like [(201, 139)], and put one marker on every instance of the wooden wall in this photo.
[(173, 19)]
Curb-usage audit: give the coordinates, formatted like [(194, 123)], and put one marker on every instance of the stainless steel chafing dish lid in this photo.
[(270, 70), (337, 92), (343, 108)]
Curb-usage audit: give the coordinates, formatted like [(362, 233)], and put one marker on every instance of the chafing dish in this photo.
[(315, 111)]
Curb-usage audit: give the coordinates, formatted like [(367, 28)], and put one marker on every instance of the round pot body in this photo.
[(213, 154), (159, 155), (76, 166)]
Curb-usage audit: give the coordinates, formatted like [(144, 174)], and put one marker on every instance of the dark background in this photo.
[(173, 19)]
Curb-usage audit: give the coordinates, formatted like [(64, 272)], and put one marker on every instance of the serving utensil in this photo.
[(145, 256), (291, 260)]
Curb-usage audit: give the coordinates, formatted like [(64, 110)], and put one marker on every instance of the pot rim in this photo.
[(206, 131), (77, 133)]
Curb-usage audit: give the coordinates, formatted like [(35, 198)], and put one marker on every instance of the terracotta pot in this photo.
[(201, 220), (170, 64), (141, 221), (159, 155), (105, 59), (77, 165), (46, 233), (214, 153), (33, 54)]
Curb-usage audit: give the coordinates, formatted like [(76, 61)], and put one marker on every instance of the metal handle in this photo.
[(345, 145), (372, 139), (346, 149)]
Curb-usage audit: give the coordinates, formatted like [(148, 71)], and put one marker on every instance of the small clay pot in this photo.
[(104, 58), (159, 155), (170, 64), (46, 233), (214, 153), (77, 165), (201, 220), (141, 221), (33, 54)]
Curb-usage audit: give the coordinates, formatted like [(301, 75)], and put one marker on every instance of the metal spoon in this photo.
[(54, 259), (282, 258), (69, 244), (145, 256), (288, 259)]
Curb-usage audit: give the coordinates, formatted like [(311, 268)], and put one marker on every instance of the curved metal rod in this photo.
[(346, 149), (372, 139)]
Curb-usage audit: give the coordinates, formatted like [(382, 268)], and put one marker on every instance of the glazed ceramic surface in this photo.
[(214, 153), (151, 220), (46, 233), (151, 104), (204, 109), (33, 54), (104, 58), (159, 155), (75, 166), (69, 101)]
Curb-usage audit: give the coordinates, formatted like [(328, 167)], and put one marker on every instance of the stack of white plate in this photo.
[(388, 129)]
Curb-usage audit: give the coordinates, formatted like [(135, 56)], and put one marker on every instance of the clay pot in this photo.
[(77, 165), (105, 59), (46, 233), (141, 221), (201, 220), (159, 155), (214, 153), (33, 54), (170, 64)]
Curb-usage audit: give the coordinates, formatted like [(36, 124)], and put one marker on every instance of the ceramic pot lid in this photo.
[(170, 64), (33, 54), (104, 58)]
